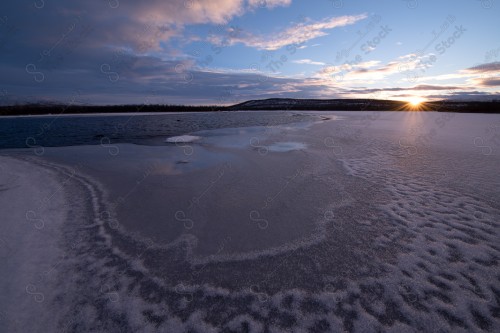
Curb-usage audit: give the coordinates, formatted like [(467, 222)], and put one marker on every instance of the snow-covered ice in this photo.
[(182, 138), (377, 221)]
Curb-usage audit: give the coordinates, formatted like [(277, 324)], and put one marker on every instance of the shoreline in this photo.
[(32, 234), (163, 113), (277, 104)]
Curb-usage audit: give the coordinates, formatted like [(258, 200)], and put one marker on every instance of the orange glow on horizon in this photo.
[(416, 101)]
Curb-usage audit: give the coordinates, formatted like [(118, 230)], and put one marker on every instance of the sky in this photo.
[(221, 52)]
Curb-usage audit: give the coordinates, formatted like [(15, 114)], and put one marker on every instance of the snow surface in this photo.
[(182, 139), (286, 146), (399, 233)]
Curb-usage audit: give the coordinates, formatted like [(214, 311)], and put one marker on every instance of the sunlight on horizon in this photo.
[(416, 101)]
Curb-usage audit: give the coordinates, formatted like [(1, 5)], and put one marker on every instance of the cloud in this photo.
[(269, 3), (141, 79), (138, 25), (148, 79), (372, 71), (309, 62), (491, 67), (107, 54), (484, 75), (130, 54), (435, 87), (445, 77), (346, 67), (83, 46), (472, 95), (476, 74), (490, 82), (296, 35), (422, 87)]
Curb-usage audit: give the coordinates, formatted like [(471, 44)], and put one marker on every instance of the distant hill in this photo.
[(366, 105), (264, 104), (318, 104)]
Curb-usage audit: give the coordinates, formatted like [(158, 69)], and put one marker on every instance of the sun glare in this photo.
[(415, 101)]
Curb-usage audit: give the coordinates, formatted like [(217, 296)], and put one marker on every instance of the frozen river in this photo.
[(300, 222)]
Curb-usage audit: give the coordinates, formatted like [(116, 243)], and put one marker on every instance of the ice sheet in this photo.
[(381, 222), (182, 139)]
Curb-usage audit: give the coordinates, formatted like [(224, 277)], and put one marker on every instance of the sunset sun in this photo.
[(415, 101)]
